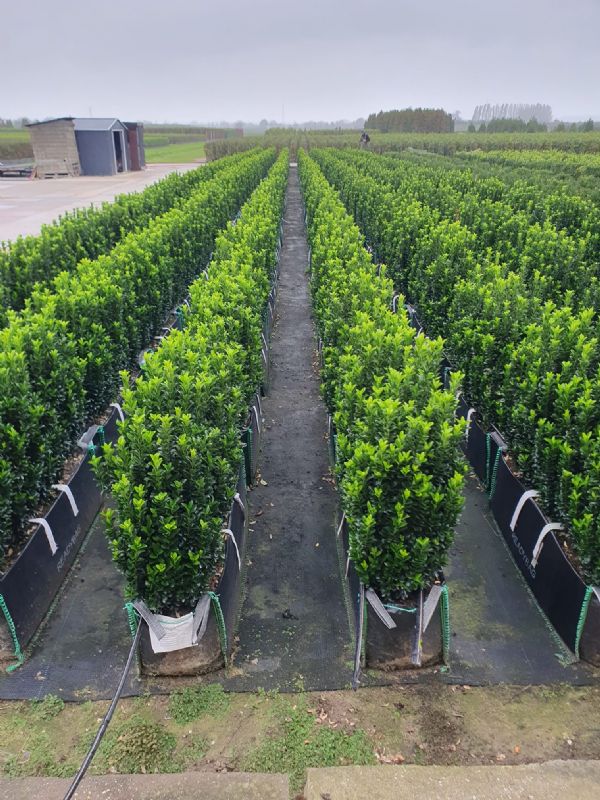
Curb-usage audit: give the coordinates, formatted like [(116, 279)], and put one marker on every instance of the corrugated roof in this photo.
[(94, 123)]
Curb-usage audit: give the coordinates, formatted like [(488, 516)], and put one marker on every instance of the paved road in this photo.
[(26, 205), (553, 780), (183, 786)]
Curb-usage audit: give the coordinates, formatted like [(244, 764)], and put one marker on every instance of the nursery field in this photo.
[(181, 153), (338, 411), (14, 144)]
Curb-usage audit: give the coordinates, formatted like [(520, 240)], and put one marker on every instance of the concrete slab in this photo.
[(567, 780), (181, 786), (26, 205)]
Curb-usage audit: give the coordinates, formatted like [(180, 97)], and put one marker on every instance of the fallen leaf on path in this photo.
[(383, 758)]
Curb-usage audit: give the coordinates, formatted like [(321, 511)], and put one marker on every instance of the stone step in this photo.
[(180, 786), (552, 780)]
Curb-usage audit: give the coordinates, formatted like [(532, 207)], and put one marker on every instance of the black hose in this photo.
[(107, 718)]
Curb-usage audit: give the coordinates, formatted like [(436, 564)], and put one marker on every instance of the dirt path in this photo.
[(294, 631)]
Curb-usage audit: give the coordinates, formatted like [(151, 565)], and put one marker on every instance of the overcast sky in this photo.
[(184, 60)]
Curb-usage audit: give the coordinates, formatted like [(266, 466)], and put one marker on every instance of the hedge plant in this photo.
[(399, 468), (91, 324), (174, 468), (517, 301), (87, 233)]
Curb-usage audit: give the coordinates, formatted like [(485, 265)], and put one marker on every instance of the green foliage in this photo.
[(48, 707), (300, 742), (174, 468), (508, 274), (138, 745), (412, 120), (60, 358), (88, 233), (399, 468), (192, 703)]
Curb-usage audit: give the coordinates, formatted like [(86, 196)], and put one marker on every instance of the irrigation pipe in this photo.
[(107, 718)]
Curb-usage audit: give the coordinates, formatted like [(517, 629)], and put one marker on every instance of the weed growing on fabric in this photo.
[(192, 703), (47, 708)]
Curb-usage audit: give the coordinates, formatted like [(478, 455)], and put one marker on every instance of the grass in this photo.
[(14, 144), (202, 727), (139, 744), (160, 148), (191, 703), (300, 741), (175, 153)]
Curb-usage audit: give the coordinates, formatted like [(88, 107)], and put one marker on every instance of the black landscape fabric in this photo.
[(294, 629)]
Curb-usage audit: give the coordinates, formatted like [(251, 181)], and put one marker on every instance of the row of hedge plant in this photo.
[(530, 354), (87, 233), (399, 468), (61, 356), (174, 467)]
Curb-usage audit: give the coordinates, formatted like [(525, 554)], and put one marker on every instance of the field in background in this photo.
[(183, 153), (14, 144), (164, 144)]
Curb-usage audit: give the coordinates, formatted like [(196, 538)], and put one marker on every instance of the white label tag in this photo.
[(431, 604)]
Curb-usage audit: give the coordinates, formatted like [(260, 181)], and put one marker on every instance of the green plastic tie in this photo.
[(248, 453), (243, 476), (19, 655), (583, 617), (445, 615), (491, 473), (447, 377), (220, 624), (100, 433), (131, 618), (392, 607), (495, 472), (488, 439)]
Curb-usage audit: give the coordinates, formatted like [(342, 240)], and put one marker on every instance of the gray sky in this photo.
[(183, 60)]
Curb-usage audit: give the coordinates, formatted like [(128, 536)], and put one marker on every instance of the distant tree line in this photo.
[(15, 123), (532, 126), (509, 126), (411, 120), (582, 127), (541, 112)]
